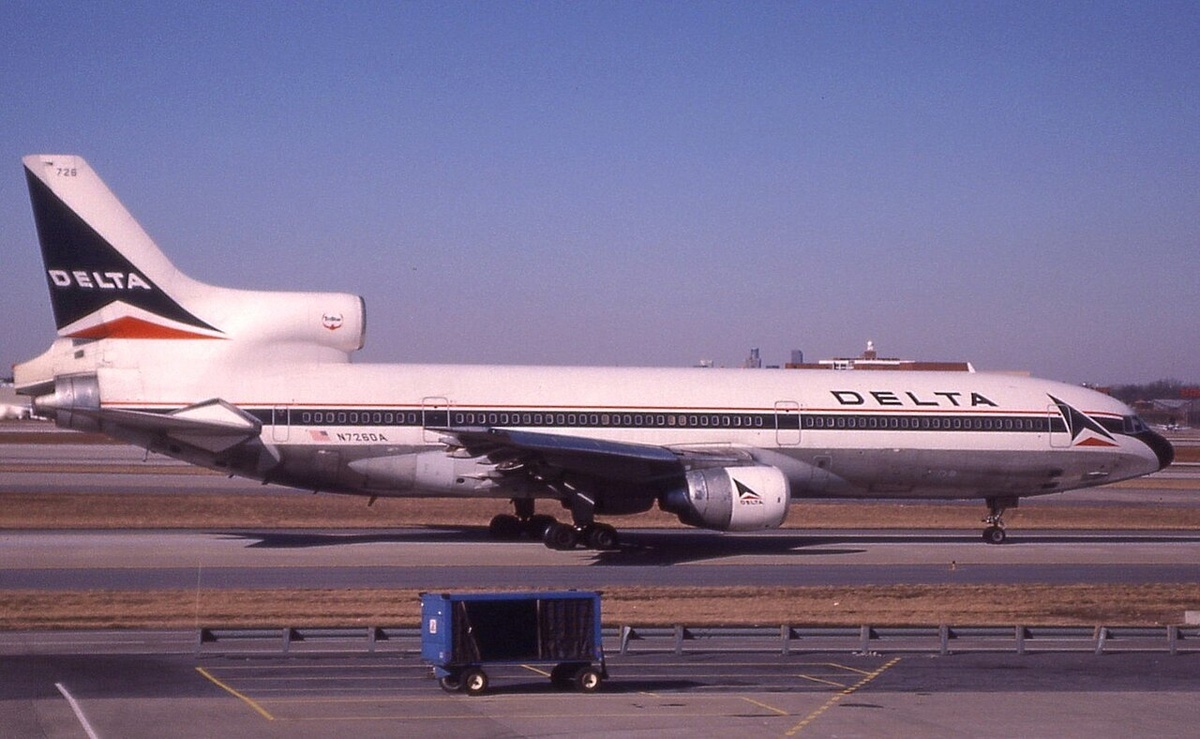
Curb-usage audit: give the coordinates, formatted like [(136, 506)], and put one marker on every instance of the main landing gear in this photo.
[(592, 536), (507, 527), (552, 532), (994, 533)]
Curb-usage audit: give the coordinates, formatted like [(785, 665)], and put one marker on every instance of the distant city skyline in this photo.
[(1016, 185)]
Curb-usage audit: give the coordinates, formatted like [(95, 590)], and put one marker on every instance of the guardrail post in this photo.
[(865, 639), (785, 636), (681, 633), (1173, 639), (944, 638), (1101, 636), (1020, 631), (627, 634)]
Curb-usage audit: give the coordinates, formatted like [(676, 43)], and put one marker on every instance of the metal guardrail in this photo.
[(942, 639), (370, 639), (784, 639)]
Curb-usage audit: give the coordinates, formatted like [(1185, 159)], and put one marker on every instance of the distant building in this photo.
[(870, 360), (13, 406), (1170, 412), (754, 361)]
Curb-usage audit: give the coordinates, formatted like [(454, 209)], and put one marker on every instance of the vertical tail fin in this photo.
[(107, 278)]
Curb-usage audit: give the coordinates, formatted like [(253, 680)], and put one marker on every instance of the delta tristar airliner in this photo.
[(261, 385)]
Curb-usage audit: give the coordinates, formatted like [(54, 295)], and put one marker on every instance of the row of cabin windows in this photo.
[(926, 423), (679, 420), (664, 420), (355, 418), (659, 420)]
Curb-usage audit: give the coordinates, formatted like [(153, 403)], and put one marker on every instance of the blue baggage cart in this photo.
[(461, 634)]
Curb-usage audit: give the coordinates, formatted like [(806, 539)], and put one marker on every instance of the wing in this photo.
[(550, 457)]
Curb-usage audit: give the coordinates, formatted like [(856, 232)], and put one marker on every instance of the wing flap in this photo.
[(214, 425), (613, 460)]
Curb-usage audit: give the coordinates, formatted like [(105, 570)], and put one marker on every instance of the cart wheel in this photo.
[(588, 679), (451, 683), (563, 675), (474, 681)]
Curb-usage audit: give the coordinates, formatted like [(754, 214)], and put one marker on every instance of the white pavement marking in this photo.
[(87, 727)]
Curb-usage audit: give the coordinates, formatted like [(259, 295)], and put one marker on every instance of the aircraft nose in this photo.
[(1160, 446)]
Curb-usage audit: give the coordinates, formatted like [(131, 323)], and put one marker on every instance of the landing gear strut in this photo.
[(583, 528), (994, 533)]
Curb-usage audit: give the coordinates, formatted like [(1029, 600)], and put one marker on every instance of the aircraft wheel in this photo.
[(474, 681), (535, 527), (994, 535), (602, 536), (588, 679), (504, 527), (451, 683), (561, 536)]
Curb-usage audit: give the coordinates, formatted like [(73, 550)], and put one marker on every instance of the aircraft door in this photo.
[(435, 414), (787, 423)]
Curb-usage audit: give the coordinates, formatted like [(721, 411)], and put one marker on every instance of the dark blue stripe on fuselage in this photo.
[(758, 421)]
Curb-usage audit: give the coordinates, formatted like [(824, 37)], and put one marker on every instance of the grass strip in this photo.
[(286, 509), (895, 605)]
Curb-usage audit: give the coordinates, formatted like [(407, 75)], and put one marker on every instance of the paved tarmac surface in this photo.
[(703, 694)]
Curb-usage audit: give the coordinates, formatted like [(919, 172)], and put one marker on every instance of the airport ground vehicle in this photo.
[(461, 634)]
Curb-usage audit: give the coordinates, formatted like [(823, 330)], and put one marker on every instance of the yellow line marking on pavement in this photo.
[(531, 668), (820, 680), (243, 698), (848, 668), (834, 700), (773, 709)]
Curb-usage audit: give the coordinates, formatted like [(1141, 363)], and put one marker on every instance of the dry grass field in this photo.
[(850, 606)]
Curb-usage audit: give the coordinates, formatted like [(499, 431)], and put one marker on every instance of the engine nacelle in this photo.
[(731, 498)]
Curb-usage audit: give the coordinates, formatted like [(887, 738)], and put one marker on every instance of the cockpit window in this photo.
[(1134, 425)]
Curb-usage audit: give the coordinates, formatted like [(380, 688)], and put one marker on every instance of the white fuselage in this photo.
[(856, 433)]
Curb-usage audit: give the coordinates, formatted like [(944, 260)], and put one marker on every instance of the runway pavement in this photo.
[(459, 558)]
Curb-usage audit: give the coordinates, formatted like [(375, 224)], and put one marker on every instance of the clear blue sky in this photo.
[(1012, 183)]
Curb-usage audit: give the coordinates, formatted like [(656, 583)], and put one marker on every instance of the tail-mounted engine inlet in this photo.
[(74, 404)]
